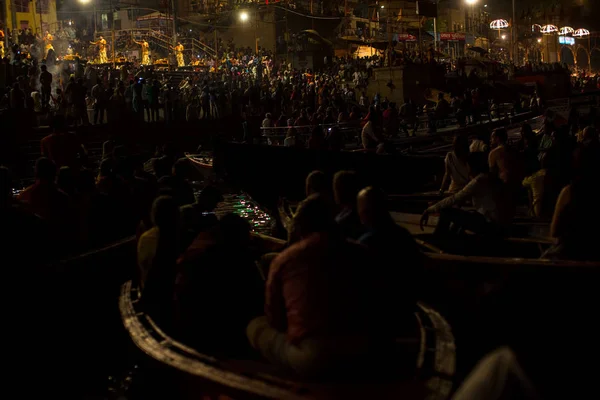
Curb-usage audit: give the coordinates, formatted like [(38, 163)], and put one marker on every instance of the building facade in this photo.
[(37, 15)]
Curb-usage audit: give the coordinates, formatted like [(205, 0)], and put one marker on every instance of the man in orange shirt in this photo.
[(46, 200), (63, 148), (323, 312)]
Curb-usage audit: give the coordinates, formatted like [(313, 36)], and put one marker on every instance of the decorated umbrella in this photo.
[(499, 24), (565, 30), (549, 29), (581, 33)]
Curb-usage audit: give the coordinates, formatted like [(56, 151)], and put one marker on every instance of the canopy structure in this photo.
[(565, 30), (314, 35), (499, 24), (581, 32), (154, 16), (548, 29)]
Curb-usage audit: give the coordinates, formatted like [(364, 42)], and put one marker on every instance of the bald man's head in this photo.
[(589, 134), (372, 207)]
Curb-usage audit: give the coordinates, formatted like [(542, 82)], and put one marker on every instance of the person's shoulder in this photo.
[(293, 252), (24, 195), (47, 138), (148, 236)]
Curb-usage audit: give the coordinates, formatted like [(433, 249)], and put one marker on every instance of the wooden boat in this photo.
[(530, 243), (203, 162), (455, 283), (431, 375)]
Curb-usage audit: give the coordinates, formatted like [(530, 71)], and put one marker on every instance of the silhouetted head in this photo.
[(313, 215), (165, 213), (235, 231), (478, 164), (589, 135), (5, 187), (58, 122), (372, 207), (105, 168), (66, 180), (499, 137), (209, 198), (345, 188), (460, 146), (181, 168), (316, 182), (45, 170)]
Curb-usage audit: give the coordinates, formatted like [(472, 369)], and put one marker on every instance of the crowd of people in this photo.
[(541, 170), (322, 313), (73, 205)]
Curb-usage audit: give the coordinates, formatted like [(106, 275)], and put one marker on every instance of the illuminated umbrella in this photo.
[(565, 30), (547, 29), (499, 24), (581, 32)]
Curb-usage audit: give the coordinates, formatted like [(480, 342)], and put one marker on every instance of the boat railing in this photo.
[(348, 130)]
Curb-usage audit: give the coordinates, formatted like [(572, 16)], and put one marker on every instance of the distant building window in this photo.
[(42, 6), (21, 5)]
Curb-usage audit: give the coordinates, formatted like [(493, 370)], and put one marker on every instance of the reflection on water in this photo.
[(243, 205), (238, 203)]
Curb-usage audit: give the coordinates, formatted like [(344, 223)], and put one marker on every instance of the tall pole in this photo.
[(41, 19), (389, 38), (112, 32), (473, 22), (287, 39), (515, 44), (95, 19), (255, 29), (173, 15), (434, 36), (13, 17), (216, 51), (34, 19)]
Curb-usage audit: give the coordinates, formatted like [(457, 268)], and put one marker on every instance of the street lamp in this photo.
[(86, 2), (245, 16), (472, 4)]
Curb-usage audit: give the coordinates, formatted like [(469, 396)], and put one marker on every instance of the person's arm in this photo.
[(43, 148), (458, 198), (446, 173), (557, 226), (492, 159), (528, 181), (274, 301)]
